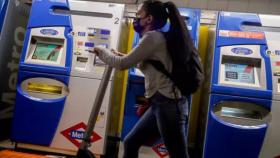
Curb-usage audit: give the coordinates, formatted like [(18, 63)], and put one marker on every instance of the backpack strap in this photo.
[(160, 67)]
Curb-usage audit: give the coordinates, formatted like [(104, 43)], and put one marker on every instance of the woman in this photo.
[(168, 113)]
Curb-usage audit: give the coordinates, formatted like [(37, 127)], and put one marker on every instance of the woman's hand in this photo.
[(97, 50)]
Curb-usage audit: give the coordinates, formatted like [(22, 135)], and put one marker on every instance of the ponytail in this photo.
[(178, 38)]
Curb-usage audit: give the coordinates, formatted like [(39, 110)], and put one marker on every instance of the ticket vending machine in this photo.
[(241, 109), (13, 21), (3, 8), (271, 28), (135, 91), (58, 77)]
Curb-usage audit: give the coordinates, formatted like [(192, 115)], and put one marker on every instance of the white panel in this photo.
[(217, 4), (258, 6), (270, 21), (77, 110), (238, 5), (271, 147), (85, 24), (105, 23)]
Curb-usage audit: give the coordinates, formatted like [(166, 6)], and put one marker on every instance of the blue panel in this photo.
[(128, 123), (265, 94), (192, 19), (36, 121), (233, 22), (193, 22), (135, 88), (42, 14), (48, 69), (105, 32), (69, 38), (225, 140), (268, 69), (3, 10)]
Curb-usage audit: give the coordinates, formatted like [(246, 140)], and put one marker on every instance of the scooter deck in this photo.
[(14, 154)]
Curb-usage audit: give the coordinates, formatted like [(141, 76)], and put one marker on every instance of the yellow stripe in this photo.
[(202, 49), (44, 88), (125, 79)]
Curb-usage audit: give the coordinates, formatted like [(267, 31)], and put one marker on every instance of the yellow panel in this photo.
[(120, 80), (44, 88), (193, 120), (124, 84)]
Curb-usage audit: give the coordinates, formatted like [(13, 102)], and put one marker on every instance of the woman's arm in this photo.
[(141, 52)]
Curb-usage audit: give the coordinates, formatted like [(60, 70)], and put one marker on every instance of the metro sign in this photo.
[(161, 150), (76, 133)]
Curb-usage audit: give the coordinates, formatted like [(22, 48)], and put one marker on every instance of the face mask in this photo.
[(136, 25)]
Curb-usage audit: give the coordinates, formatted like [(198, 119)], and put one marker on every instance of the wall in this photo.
[(255, 6)]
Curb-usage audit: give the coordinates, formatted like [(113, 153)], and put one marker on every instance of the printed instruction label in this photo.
[(240, 34)]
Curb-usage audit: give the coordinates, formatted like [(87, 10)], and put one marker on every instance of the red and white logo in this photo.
[(76, 133), (161, 150)]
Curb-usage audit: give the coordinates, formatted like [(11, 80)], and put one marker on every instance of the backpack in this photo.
[(187, 71)]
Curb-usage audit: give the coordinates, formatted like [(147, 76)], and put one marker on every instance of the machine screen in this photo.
[(44, 51), (239, 73)]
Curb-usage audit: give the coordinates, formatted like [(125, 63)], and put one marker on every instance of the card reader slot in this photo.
[(242, 113), (253, 28), (82, 13), (44, 88), (82, 59), (255, 62)]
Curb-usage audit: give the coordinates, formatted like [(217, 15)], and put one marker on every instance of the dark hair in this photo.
[(178, 38)]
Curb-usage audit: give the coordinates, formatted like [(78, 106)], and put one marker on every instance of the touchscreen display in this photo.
[(239, 73), (44, 51)]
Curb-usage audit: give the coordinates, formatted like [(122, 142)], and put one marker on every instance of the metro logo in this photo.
[(49, 32), (76, 133), (161, 150), (242, 51)]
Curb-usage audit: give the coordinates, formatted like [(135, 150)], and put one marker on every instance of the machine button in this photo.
[(105, 32), (89, 44)]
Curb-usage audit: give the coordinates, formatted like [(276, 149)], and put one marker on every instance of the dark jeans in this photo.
[(163, 118)]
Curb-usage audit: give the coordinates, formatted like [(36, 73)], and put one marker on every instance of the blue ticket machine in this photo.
[(3, 9), (58, 78), (241, 88), (135, 90)]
